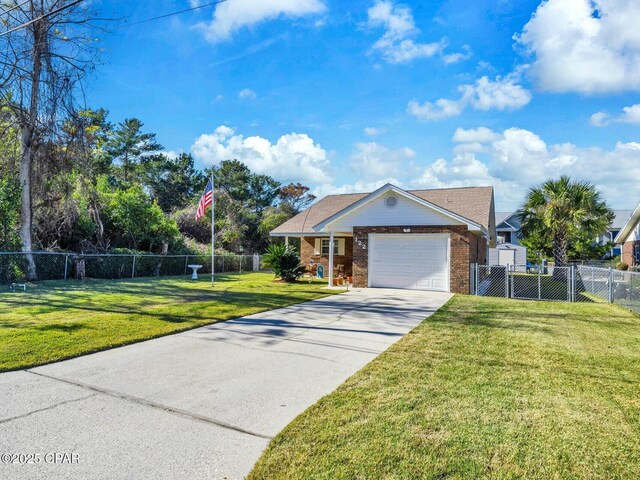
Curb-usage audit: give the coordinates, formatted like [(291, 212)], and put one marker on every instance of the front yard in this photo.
[(56, 320), (485, 388)]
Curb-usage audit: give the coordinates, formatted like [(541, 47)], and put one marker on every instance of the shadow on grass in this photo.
[(184, 308)]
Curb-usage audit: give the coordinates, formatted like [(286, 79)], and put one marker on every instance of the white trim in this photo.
[(629, 226), (331, 240), (310, 234), (325, 224), (371, 242)]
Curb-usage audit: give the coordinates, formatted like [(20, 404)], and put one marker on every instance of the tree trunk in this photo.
[(164, 251), (560, 244), (26, 214), (28, 124), (98, 220)]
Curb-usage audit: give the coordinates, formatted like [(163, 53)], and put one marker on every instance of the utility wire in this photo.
[(177, 13), (14, 7), (48, 14)]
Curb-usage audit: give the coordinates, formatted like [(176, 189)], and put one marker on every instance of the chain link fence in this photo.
[(543, 283), (570, 284), (65, 266)]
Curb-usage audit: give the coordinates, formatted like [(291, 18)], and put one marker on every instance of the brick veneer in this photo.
[(307, 253), (466, 248), (627, 252)]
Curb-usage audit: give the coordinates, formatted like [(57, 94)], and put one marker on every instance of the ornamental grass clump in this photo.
[(284, 261)]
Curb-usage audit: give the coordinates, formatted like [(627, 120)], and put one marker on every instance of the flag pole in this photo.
[(213, 242)]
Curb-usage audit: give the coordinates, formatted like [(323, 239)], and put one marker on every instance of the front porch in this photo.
[(332, 254)]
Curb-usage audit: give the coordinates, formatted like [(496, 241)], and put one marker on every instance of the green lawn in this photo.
[(485, 388), (57, 320)]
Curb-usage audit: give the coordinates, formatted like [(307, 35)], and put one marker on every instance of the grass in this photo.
[(57, 320), (485, 388)]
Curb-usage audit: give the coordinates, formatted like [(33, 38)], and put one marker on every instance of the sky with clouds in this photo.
[(346, 96)]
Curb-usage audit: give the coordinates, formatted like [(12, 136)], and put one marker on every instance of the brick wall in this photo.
[(307, 253), (627, 252), (466, 247)]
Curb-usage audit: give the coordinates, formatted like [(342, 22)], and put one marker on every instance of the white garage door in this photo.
[(413, 261)]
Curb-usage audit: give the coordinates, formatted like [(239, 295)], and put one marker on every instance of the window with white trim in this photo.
[(324, 247)]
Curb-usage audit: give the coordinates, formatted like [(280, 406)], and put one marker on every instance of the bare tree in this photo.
[(45, 52)]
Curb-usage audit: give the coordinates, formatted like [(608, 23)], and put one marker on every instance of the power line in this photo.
[(49, 14), (14, 7), (178, 13)]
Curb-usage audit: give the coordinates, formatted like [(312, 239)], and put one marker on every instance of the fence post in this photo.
[(539, 285), (573, 283), (241, 259), (506, 282), (133, 267), (610, 285), (476, 273), (513, 283), (66, 266), (186, 262)]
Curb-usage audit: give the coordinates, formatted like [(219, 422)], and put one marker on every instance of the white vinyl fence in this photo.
[(570, 284), (65, 266)]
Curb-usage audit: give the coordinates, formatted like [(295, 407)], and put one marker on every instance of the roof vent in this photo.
[(391, 201)]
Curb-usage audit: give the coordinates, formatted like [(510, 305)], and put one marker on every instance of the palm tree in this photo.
[(559, 210)]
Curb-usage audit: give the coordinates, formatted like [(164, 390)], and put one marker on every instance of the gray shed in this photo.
[(508, 254)]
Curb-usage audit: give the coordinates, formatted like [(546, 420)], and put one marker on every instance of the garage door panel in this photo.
[(412, 261)]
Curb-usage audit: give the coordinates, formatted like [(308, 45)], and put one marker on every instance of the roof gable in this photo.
[(472, 203), (409, 210), (629, 226)]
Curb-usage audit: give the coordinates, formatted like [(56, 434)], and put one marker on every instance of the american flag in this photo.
[(205, 200)]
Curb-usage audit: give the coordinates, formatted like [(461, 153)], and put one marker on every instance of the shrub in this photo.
[(622, 266), (285, 262)]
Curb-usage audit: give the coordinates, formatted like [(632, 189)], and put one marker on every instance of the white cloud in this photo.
[(588, 46), (293, 157), (356, 187), (396, 44), (229, 17), (600, 119), (247, 94), (441, 108), (480, 134), (373, 131), (372, 160), (515, 159), (457, 57), (629, 115), (503, 93)]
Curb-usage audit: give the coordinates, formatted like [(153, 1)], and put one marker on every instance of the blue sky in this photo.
[(346, 96)]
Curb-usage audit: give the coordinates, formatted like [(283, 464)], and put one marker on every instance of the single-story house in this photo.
[(395, 238), (629, 238)]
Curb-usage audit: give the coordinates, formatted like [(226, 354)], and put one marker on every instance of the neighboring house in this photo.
[(629, 238), (508, 251), (417, 239), (507, 227), (621, 217), (508, 230)]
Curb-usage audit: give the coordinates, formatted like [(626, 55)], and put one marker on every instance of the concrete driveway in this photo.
[(200, 404)]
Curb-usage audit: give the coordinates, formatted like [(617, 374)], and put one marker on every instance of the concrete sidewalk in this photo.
[(200, 404)]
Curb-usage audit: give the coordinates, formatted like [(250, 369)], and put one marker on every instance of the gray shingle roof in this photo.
[(472, 203)]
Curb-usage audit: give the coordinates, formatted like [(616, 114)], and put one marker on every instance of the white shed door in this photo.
[(507, 257), (413, 261)]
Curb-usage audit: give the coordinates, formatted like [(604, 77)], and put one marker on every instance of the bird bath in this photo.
[(194, 275)]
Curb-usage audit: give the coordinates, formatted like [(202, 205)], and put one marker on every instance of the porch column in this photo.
[(331, 259), (286, 240)]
